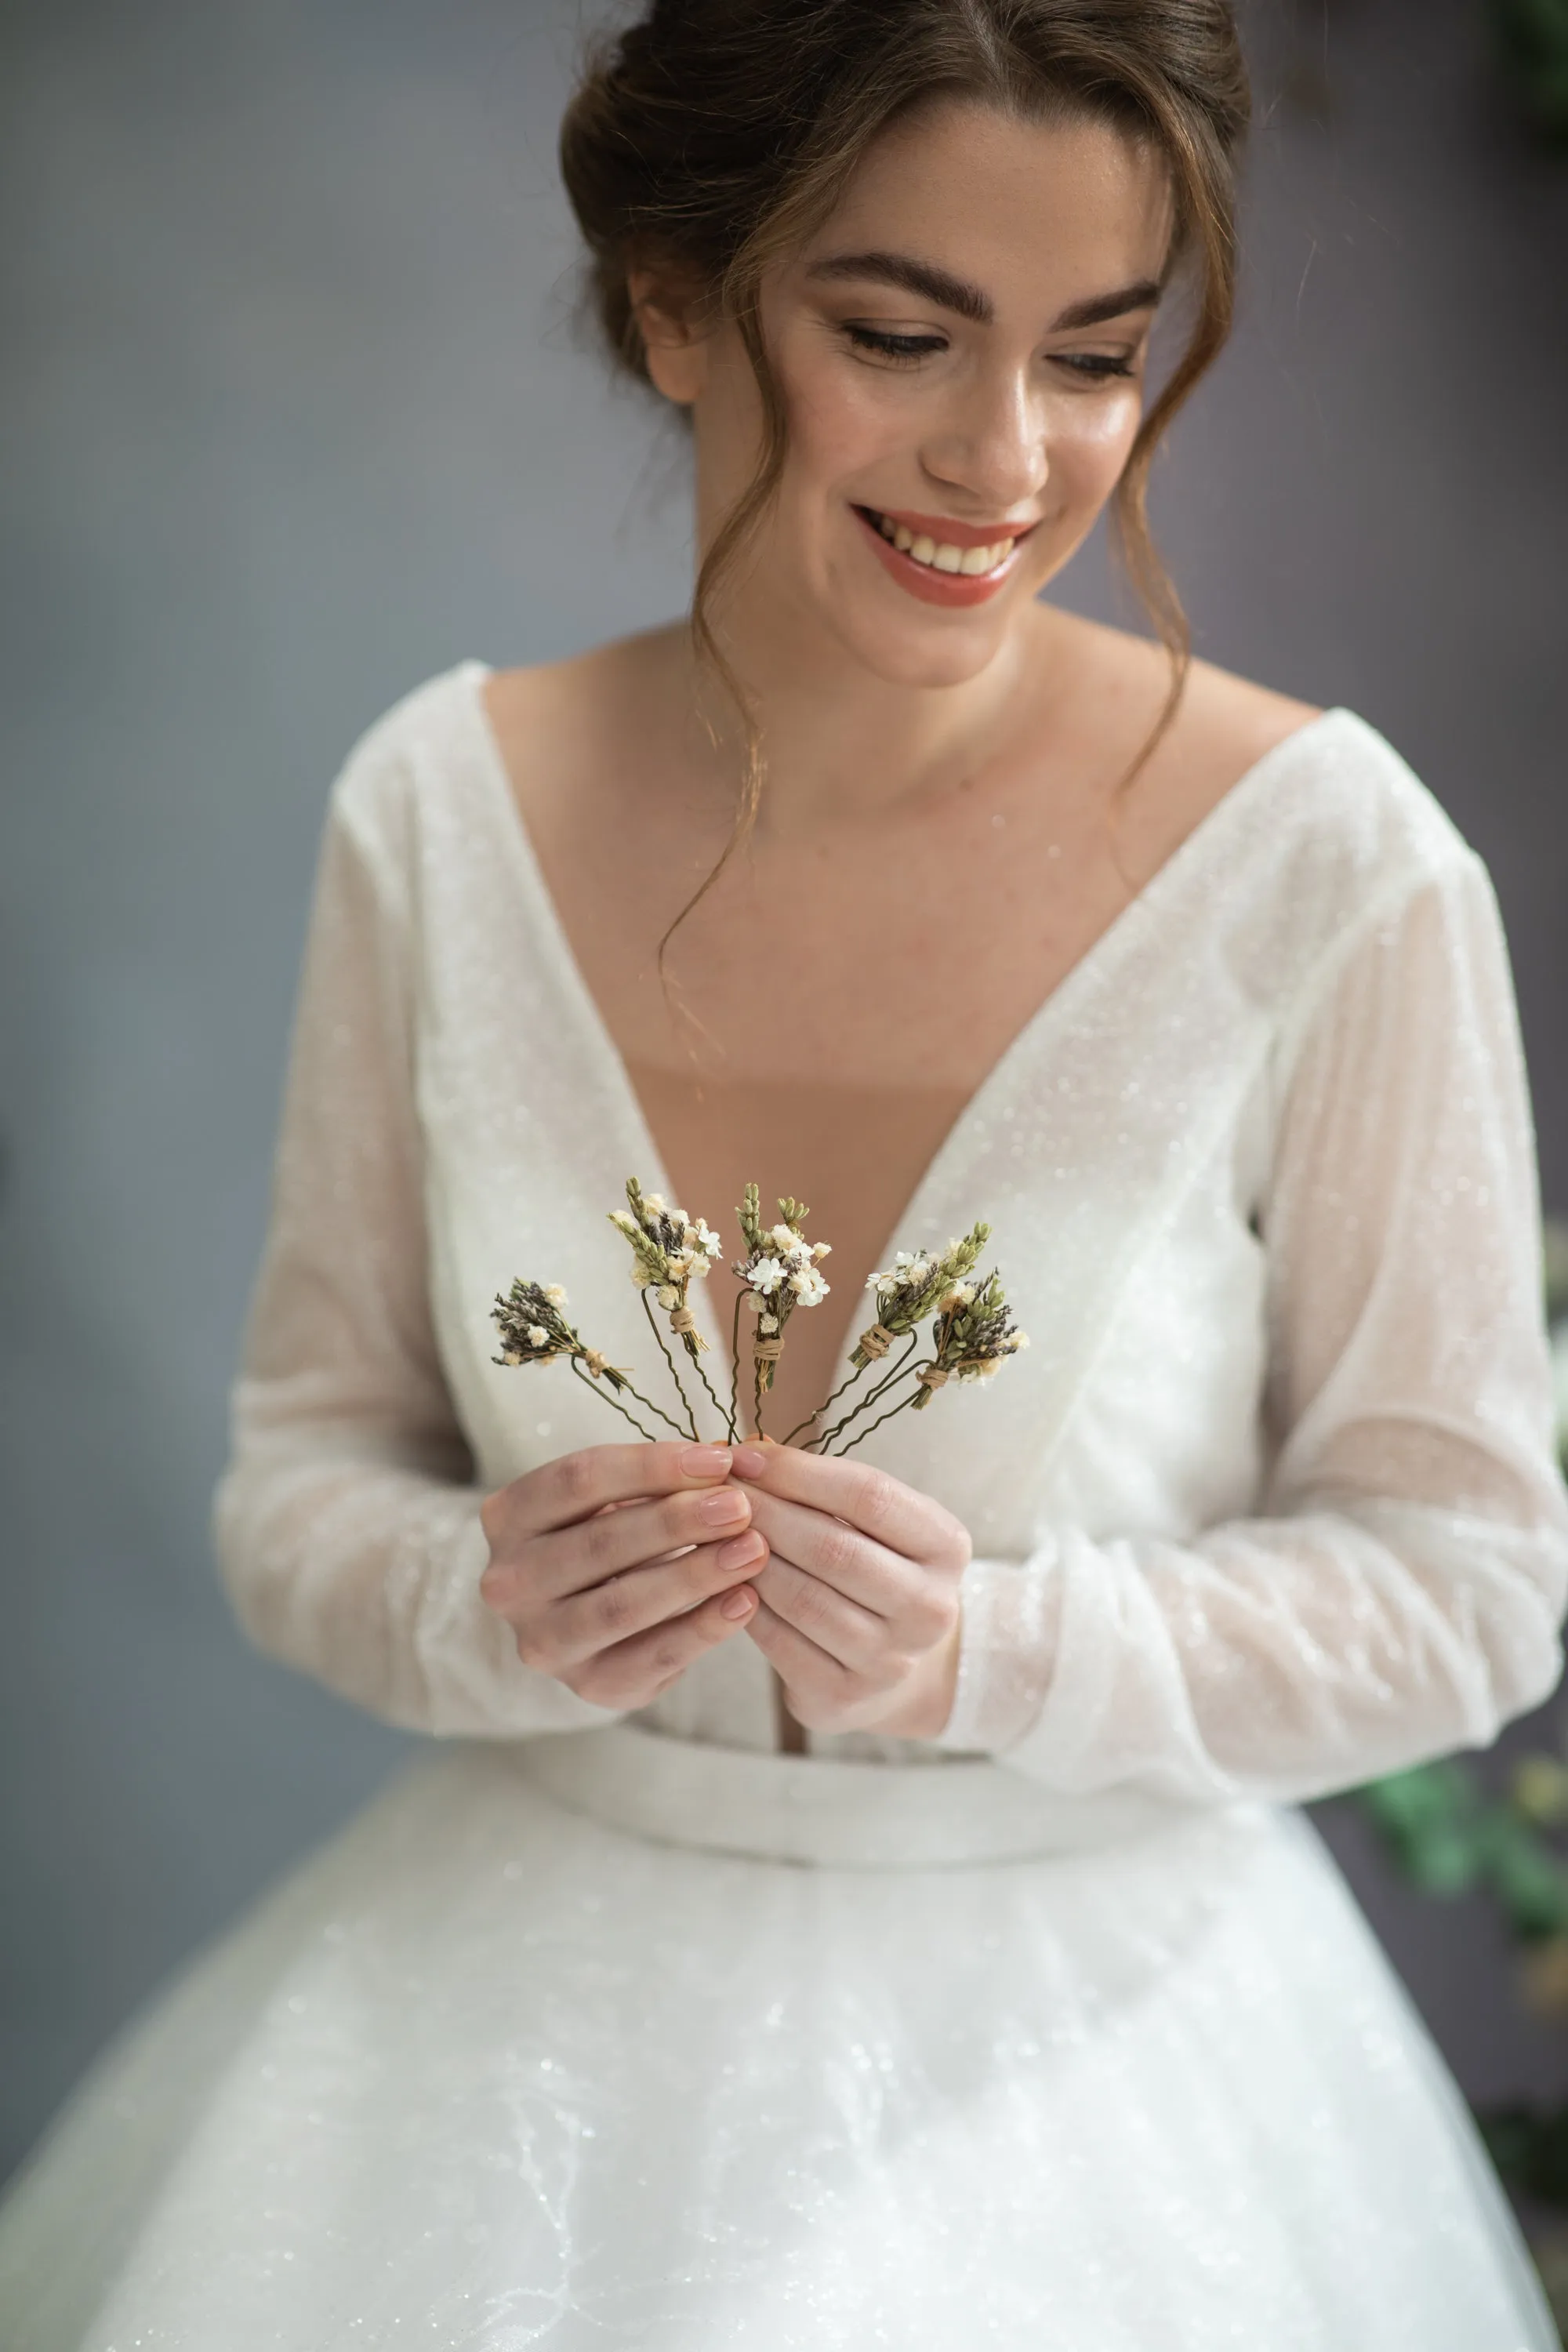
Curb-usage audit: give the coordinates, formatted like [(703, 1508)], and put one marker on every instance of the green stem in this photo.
[(891, 1414), (870, 1399), (647, 1402), (859, 1374), (608, 1397), (669, 1359), (707, 1384), (735, 1364)]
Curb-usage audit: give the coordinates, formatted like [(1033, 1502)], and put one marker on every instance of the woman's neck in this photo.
[(841, 746)]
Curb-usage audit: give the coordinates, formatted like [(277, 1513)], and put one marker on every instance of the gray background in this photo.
[(296, 418)]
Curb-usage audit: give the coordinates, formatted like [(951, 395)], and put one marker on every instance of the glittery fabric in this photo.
[(1268, 1506)]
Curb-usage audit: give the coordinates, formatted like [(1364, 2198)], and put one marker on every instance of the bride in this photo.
[(857, 1901)]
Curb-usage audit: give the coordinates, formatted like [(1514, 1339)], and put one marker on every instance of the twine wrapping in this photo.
[(683, 1320), (932, 1376), (598, 1365), (875, 1342), (768, 1351)]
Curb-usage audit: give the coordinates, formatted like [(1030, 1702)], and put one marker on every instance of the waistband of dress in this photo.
[(828, 1810)]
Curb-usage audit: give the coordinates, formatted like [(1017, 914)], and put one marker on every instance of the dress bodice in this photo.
[(1219, 1163)]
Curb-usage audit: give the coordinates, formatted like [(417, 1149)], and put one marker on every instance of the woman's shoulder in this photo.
[(431, 732), (1320, 791)]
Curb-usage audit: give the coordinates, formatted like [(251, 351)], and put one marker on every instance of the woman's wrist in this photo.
[(921, 1706)]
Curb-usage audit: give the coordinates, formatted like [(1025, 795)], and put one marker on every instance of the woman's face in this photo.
[(960, 352)]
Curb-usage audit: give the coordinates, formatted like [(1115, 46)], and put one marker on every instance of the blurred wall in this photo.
[(296, 418)]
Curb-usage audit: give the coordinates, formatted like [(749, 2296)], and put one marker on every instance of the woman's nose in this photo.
[(991, 445)]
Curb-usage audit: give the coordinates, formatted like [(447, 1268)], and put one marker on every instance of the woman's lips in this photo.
[(922, 580)]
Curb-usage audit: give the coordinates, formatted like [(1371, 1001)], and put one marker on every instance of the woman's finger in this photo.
[(865, 1572), (881, 1507), (613, 1613), (635, 1671), (814, 1680), (573, 1487), (570, 1560), (848, 1633)]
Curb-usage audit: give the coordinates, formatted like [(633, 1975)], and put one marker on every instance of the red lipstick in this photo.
[(922, 580), (956, 534)]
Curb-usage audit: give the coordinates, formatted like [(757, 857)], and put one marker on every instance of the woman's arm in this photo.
[(348, 1524), (1399, 1593)]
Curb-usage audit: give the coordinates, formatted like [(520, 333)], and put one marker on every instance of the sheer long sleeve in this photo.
[(347, 1523), (1399, 1592)]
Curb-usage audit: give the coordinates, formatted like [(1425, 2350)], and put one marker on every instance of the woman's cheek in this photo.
[(1086, 458)]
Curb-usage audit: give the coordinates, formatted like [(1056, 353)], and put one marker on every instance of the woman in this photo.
[(1008, 2008)]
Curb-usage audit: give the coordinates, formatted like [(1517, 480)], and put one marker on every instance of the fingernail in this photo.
[(742, 1551), (738, 1604), (726, 1504), (705, 1462), (749, 1461)]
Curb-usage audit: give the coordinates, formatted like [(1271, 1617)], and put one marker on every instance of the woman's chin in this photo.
[(918, 652)]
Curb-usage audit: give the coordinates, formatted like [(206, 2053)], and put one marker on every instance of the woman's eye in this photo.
[(902, 349), (1097, 366)]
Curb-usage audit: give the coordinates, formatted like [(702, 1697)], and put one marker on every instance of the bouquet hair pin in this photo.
[(935, 1320)]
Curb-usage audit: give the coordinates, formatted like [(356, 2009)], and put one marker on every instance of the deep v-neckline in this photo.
[(1088, 971)]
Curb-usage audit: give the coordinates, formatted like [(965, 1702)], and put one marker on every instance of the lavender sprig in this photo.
[(912, 1290), (974, 1334), (533, 1330)]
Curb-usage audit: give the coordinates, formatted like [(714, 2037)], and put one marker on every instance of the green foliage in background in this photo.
[(1531, 40), (1450, 1837)]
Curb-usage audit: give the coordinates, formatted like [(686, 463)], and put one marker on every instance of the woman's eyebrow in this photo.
[(921, 277), (949, 293), (1142, 295)]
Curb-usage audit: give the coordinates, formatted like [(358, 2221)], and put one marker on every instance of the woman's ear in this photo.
[(677, 349)]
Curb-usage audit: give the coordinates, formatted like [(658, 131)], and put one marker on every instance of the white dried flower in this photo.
[(554, 1293), (808, 1286), (654, 1203), (707, 1240), (785, 1238), (821, 1249), (538, 1337), (765, 1275), (767, 1323), (668, 1296)]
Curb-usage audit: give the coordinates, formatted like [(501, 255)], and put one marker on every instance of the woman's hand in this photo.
[(859, 1609), (590, 1566)]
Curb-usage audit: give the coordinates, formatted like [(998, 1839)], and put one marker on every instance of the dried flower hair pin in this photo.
[(972, 1330)]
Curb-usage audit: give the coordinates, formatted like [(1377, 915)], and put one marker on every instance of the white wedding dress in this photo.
[(1057, 2034)]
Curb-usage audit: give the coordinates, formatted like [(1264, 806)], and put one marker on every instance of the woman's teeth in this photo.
[(937, 552)]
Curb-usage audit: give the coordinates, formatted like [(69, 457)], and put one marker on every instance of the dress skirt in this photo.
[(611, 2039)]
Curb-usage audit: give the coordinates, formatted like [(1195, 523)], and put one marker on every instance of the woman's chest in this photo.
[(1116, 1149), (901, 954)]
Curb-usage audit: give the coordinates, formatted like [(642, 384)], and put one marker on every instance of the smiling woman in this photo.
[(859, 1902)]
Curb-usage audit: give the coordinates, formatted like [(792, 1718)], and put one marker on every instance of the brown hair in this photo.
[(713, 136)]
